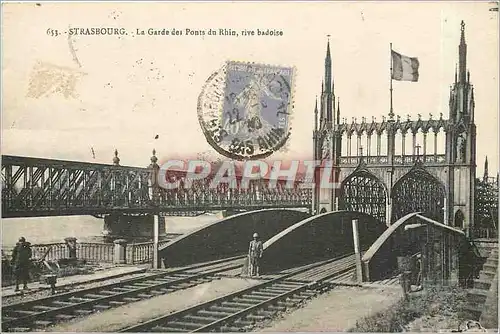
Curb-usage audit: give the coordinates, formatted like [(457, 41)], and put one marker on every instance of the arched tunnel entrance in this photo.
[(227, 237), (317, 238), (418, 191), (363, 192)]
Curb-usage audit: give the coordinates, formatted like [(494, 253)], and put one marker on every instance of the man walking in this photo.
[(254, 255), (21, 256)]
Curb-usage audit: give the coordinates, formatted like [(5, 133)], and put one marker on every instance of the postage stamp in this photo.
[(244, 109)]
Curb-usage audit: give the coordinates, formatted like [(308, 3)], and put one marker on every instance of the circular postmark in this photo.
[(244, 109)]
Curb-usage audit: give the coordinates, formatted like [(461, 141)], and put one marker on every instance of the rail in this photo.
[(36, 314), (240, 307)]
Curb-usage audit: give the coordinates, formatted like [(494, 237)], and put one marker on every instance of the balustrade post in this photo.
[(71, 244), (120, 254)]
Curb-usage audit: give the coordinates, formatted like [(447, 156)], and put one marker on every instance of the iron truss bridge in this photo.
[(44, 187)]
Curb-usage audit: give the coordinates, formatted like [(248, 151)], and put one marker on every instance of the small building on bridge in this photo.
[(435, 253)]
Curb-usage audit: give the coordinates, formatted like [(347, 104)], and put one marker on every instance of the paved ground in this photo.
[(336, 311), (127, 315)]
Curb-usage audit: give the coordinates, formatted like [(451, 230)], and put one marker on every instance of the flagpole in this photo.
[(391, 112)]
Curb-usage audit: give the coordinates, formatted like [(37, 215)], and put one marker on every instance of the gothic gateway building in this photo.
[(396, 166)]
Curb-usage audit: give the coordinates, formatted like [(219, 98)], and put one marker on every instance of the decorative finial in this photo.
[(154, 159), (398, 118), (430, 116), (419, 117), (363, 119), (462, 26), (116, 160), (353, 119), (373, 119), (440, 115), (408, 118), (383, 119)]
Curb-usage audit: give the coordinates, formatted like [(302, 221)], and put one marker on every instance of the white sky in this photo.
[(123, 103)]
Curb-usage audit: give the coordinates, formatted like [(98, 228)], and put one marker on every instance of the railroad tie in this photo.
[(244, 322), (20, 329), (156, 292), (145, 284), (230, 329), (79, 299), (26, 312), (162, 329), (255, 297), (264, 294), (43, 323), (64, 316), (241, 302), (214, 313), (108, 293), (61, 303), (276, 308), (131, 299), (144, 295), (185, 324), (225, 309), (83, 312), (286, 304), (43, 308), (256, 317), (102, 307), (116, 303), (204, 320), (94, 296)]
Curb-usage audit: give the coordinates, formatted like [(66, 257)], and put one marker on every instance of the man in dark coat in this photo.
[(254, 255), (21, 256)]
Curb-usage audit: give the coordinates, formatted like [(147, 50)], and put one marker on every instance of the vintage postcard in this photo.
[(250, 166)]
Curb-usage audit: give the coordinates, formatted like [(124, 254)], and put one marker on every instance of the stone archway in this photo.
[(364, 192), (418, 191)]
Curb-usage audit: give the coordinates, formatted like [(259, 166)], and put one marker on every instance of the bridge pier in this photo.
[(120, 226)]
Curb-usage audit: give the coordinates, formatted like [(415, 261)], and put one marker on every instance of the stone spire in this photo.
[(462, 52), (485, 177)]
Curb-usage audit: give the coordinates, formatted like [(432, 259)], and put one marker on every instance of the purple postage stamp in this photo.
[(244, 109)]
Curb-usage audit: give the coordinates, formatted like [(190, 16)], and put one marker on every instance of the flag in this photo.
[(404, 68)]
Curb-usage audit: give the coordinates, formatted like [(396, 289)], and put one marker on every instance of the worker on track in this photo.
[(21, 261), (254, 255)]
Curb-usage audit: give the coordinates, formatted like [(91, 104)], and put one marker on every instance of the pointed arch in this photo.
[(419, 191), (363, 192)]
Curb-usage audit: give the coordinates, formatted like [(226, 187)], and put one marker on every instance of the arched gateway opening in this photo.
[(418, 191), (363, 192)]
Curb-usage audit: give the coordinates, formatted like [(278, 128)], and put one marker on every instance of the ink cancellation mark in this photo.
[(244, 109)]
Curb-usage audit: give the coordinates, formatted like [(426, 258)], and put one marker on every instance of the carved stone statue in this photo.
[(460, 149)]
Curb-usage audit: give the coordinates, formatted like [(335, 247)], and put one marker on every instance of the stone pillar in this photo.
[(155, 241), (119, 255), (71, 244), (357, 254)]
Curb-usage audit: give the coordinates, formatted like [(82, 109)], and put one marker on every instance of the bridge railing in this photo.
[(138, 253), (45, 187)]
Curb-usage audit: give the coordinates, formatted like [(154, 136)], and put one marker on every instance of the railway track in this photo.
[(239, 311), (40, 313)]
